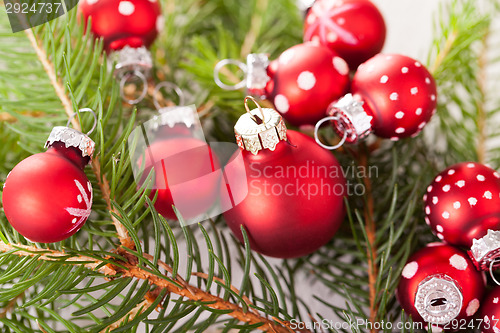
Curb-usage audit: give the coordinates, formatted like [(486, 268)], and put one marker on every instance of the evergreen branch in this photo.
[(137, 310), (196, 294), (51, 73), (52, 255), (371, 234), (123, 236), (255, 26), (481, 101), (441, 56)]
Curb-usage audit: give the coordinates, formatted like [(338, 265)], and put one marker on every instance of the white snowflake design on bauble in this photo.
[(83, 214)]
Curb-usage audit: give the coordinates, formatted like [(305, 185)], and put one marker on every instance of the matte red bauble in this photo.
[(133, 23), (47, 196), (355, 29), (462, 206), (294, 203), (304, 80), (393, 96), (184, 176), (439, 284), (490, 312)]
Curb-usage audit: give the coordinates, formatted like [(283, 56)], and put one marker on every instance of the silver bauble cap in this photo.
[(485, 251), (71, 138), (352, 119), (438, 299)]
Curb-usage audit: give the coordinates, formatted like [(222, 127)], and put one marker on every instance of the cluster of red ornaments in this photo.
[(441, 283), (391, 95)]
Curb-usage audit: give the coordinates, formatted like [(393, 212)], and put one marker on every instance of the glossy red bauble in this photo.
[(184, 175), (355, 29), (121, 23), (439, 283), (304, 80), (463, 202), (490, 312), (295, 198), (47, 196)]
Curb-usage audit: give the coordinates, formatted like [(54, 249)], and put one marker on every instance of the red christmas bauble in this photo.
[(47, 196), (439, 284), (294, 203), (185, 175), (398, 97), (355, 29), (462, 204), (490, 312), (304, 80), (121, 23)]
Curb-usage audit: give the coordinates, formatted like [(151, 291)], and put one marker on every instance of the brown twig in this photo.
[(255, 25), (481, 101), (371, 230), (444, 52), (51, 255), (123, 235), (11, 305), (137, 310)]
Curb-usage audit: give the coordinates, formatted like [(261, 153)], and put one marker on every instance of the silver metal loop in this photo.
[(493, 262), (171, 86), (81, 111), (226, 62), (125, 78), (258, 106), (316, 137)]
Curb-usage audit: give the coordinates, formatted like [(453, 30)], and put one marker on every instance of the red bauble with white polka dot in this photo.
[(462, 204), (355, 29), (490, 312), (304, 80), (47, 196), (439, 283), (393, 96), (133, 23)]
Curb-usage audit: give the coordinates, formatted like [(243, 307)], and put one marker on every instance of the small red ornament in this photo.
[(490, 312), (301, 83), (128, 28), (133, 23), (186, 171), (462, 206), (393, 96), (47, 196), (439, 284), (185, 176), (355, 29), (294, 204)]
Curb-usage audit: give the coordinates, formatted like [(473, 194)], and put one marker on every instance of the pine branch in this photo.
[(255, 26), (52, 255), (123, 236), (481, 101), (51, 73), (371, 230)]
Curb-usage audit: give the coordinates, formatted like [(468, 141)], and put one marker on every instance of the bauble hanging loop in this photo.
[(316, 136), (125, 78)]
